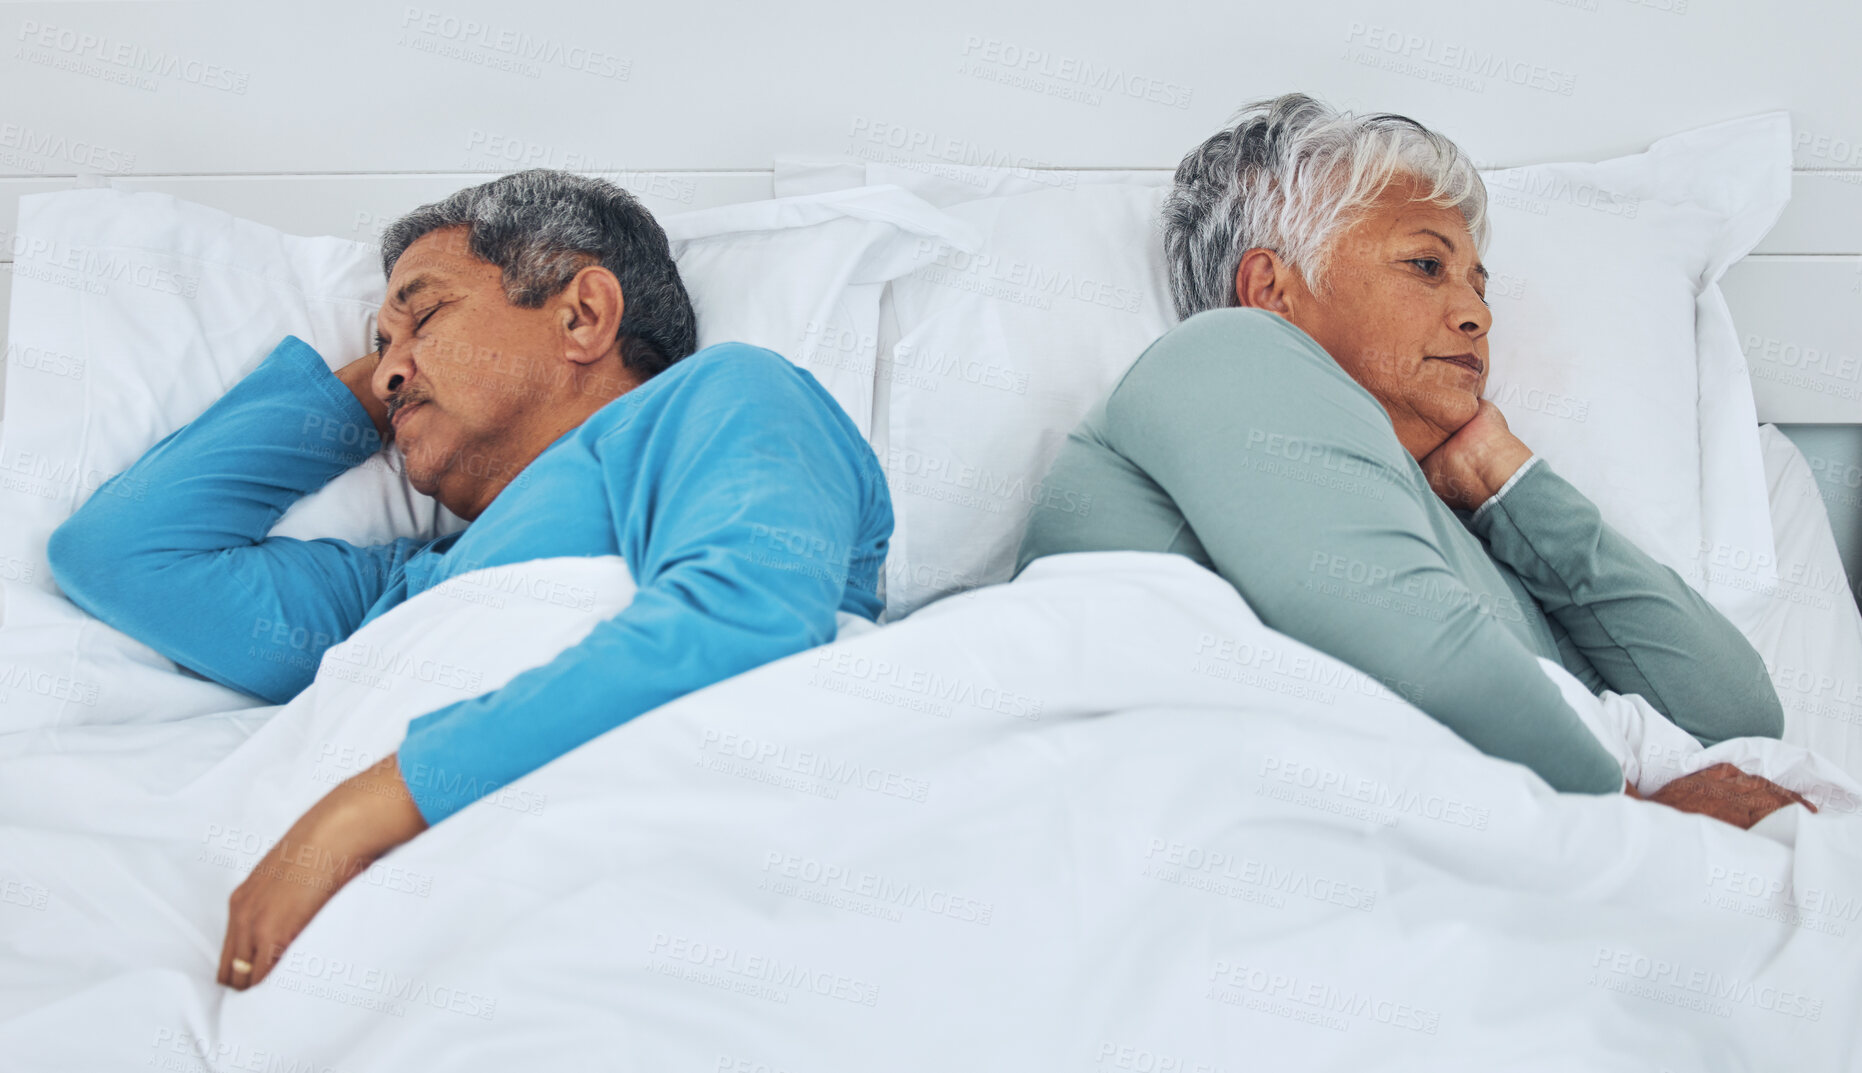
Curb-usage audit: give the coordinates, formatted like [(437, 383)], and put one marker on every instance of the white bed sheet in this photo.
[(1097, 814), (1098, 819)]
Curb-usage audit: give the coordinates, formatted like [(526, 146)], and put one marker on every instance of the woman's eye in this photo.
[(1427, 264)]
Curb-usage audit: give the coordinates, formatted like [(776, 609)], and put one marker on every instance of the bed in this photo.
[(1146, 833), (1100, 817)]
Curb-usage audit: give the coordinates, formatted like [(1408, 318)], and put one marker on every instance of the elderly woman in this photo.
[(1314, 432)]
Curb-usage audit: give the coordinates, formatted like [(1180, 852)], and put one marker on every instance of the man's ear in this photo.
[(590, 310), (1262, 281)]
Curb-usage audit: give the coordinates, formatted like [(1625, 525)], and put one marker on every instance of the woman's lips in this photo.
[(1466, 361)]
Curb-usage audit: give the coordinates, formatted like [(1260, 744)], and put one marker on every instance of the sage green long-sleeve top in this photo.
[(1236, 440)]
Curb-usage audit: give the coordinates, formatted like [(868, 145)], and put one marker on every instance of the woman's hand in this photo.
[(1725, 793), (361, 819), (358, 377), (1470, 466)]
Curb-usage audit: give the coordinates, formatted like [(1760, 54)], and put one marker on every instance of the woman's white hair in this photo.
[(1291, 174)]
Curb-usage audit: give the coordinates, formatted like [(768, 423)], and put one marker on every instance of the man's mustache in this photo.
[(397, 402)]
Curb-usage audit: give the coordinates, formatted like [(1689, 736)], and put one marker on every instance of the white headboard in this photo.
[(334, 117)]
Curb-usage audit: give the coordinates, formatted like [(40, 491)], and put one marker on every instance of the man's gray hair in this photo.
[(1291, 174), (541, 227)]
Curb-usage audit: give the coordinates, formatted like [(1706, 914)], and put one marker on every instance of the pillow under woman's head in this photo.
[(1622, 368)]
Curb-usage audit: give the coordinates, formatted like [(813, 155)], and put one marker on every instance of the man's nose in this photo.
[(394, 369)]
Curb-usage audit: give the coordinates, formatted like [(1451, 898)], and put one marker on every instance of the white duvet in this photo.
[(1098, 819)]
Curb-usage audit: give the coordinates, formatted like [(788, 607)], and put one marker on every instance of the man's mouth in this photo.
[(394, 419), (1467, 361)]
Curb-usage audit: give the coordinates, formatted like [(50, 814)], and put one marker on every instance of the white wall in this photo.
[(366, 87)]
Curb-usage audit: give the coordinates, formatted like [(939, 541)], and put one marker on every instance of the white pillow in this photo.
[(1616, 314), (999, 356), (802, 276), (1613, 354), (160, 305)]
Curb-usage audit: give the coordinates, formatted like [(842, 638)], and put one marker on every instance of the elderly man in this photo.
[(533, 368), (1314, 431)]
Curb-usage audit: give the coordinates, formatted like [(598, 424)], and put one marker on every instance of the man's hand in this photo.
[(361, 819), (1470, 466), (357, 376), (1725, 793)]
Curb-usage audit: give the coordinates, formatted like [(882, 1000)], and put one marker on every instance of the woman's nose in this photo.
[(1474, 318)]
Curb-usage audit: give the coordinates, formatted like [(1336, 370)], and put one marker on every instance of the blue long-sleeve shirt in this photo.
[(745, 502)]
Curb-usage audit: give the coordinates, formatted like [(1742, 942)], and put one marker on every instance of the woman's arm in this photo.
[(1644, 629), (1293, 481)]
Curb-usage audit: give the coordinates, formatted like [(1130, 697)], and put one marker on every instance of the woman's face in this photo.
[(1405, 313)]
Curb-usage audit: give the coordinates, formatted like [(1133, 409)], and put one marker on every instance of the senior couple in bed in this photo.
[(536, 369)]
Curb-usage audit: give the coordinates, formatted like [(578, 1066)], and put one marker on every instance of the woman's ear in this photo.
[(1262, 281)]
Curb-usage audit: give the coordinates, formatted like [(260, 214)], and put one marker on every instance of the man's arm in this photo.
[(745, 500), (1644, 629), (187, 568), (1198, 412), (740, 500)]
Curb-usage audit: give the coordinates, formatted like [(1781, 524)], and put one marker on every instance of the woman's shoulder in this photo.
[(1247, 361)]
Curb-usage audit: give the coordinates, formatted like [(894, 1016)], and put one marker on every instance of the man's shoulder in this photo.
[(725, 380), (726, 374), (732, 361)]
